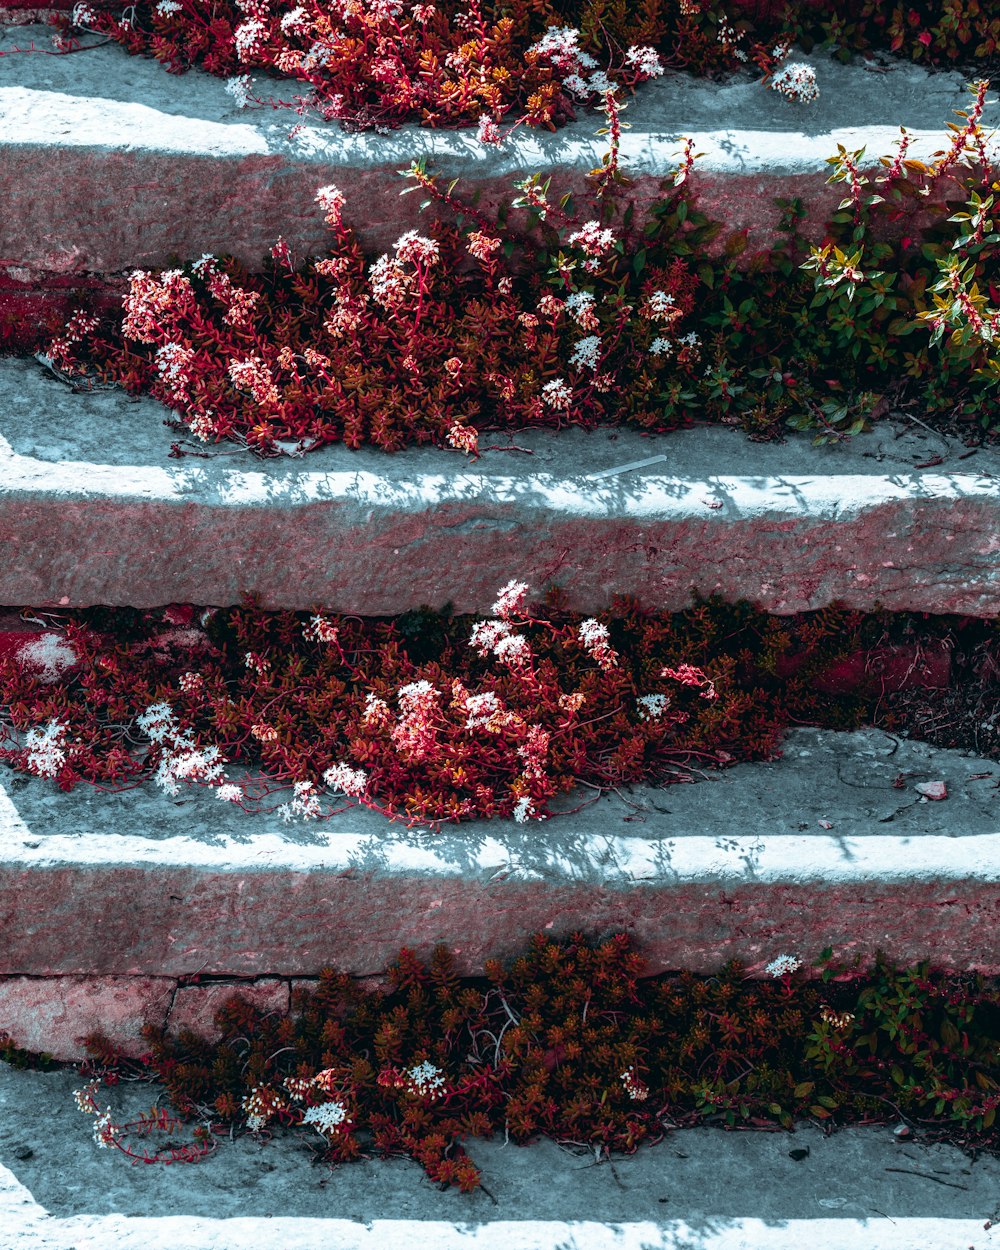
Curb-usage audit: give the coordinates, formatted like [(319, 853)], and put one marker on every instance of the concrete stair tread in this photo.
[(740, 865), (103, 127), (699, 1189), (100, 513)]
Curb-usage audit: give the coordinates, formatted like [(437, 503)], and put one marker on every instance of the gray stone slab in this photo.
[(114, 163), (698, 1175), (93, 511), (751, 862)]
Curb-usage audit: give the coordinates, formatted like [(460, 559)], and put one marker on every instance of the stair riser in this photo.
[(113, 943)]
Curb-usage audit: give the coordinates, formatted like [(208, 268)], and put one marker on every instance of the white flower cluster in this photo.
[(587, 353), (782, 965), (182, 759), (523, 808), (486, 636), (249, 38), (636, 1088), (513, 649), (796, 82), (652, 706), (295, 21), (206, 263), (166, 7), (645, 60), (660, 347), (660, 302), (511, 599), (173, 363), (489, 131), (594, 637), (425, 1079), (349, 780), (417, 249), (560, 45), (305, 803), (594, 239), (319, 629), (239, 89), (47, 657), (331, 200), (328, 1117), (105, 1130), (481, 709), (557, 394), (417, 697), (46, 749), (580, 306), (83, 16)]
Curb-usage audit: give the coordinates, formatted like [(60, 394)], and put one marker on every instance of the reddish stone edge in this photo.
[(88, 947)]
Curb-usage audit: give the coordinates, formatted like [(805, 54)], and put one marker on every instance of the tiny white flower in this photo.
[(46, 753), (426, 1079), (229, 793), (652, 706), (327, 1117), (600, 82), (239, 89), (796, 82), (511, 599), (514, 649), (523, 808), (587, 352), (593, 632), (782, 965), (349, 780), (645, 60)]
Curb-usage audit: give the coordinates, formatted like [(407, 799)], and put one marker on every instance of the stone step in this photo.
[(98, 512), (112, 163), (111, 903), (857, 1188)]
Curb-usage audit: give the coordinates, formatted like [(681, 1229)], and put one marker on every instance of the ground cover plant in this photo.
[(428, 717), (548, 315), (569, 1041), (381, 62)]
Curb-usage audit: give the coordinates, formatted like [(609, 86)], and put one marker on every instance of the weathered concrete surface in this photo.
[(112, 163), (94, 511), (758, 860), (699, 1189)]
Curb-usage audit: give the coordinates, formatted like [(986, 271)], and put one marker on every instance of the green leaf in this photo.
[(804, 1089), (639, 261)]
